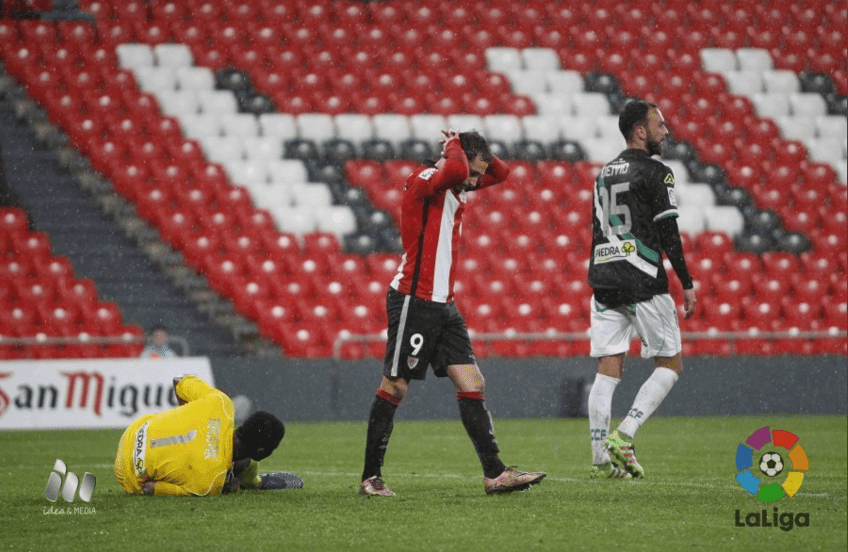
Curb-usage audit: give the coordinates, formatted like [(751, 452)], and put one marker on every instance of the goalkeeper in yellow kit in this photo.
[(194, 449)]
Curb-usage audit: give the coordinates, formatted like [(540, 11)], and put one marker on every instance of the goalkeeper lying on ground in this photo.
[(194, 449)]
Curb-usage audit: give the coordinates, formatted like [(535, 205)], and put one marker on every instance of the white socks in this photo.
[(652, 393), (600, 405)]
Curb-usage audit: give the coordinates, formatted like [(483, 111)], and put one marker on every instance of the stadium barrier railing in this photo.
[(30, 343), (731, 337)]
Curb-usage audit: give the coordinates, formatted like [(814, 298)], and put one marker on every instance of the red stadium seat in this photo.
[(743, 266), (79, 291), (800, 315), (106, 317)]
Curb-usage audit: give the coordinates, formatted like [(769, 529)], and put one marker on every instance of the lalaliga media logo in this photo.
[(771, 466)]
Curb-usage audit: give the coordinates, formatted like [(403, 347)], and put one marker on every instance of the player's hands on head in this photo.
[(449, 134)]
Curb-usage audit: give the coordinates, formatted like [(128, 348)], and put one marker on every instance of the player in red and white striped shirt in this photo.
[(425, 327)]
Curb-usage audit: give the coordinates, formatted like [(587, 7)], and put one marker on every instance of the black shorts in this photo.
[(431, 334)]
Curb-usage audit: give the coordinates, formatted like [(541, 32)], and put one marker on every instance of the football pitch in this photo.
[(690, 499)]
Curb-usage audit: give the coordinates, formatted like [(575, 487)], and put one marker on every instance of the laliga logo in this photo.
[(761, 459), (72, 482), (764, 445)]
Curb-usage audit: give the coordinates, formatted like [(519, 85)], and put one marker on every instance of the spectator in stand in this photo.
[(158, 344)]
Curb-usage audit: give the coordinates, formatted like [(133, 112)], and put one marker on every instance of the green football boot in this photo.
[(622, 453)]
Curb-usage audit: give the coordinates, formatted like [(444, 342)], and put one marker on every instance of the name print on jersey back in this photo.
[(631, 194)]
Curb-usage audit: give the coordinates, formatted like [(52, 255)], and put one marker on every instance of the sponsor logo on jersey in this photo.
[(669, 179), (427, 173), (140, 450), (607, 252)]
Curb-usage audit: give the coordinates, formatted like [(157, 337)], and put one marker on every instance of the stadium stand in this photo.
[(207, 115)]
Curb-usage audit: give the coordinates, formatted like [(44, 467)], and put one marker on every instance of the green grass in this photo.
[(687, 502)]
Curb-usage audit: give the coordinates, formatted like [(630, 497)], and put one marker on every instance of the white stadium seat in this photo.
[(151, 79), (173, 55), (318, 127), (554, 103), (565, 82), (300, 220), (246, 173), (506, 128), (694, 195), (503, 59), (393, 127), (242, 125), (842, 170), (217, 101), (718, 60), (272, 195), (831, 126), (356, 127), (541, 59), (464, 122), (311, 193), (177, 103), (724, 218), (287, 170), (131, 56), (754, 59), (770, 106), (281, 126), (199, 126), (221, 149), (607, 127), (195, 78), (338, 219), (795, 128), (828, 150), (427, 126), (805, 104), (579, 128), (590, 104), (691, 220), (744, 83), (780, 81), (260, 148), (601, 149), (541, 128), (528, 81)]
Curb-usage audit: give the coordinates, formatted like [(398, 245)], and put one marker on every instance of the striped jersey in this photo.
[(431, 224), (631, 194)]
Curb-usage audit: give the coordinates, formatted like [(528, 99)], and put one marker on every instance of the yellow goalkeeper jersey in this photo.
[(187, 450)]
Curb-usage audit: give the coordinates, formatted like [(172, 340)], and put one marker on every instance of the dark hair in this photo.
[(158, 327), (473, 144), (635, 113), (260, 434)]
